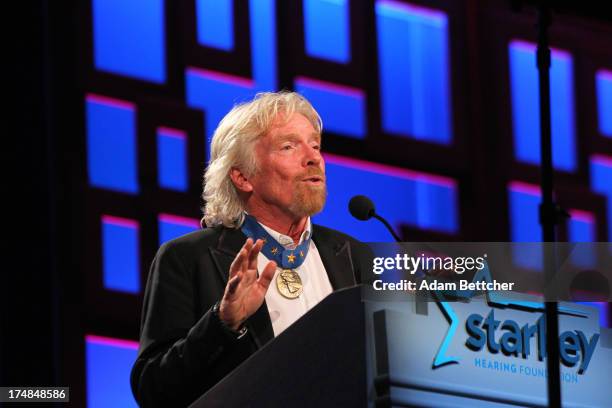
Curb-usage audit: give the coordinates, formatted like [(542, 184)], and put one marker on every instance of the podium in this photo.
[(357, 349), (320, 360)]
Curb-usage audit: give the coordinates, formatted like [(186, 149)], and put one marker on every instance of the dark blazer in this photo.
[(184, 349)]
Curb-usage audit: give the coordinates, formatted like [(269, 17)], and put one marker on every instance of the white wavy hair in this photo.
[(232, 146)]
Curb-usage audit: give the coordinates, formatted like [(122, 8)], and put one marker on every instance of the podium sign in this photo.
[(348, 351), (482, 353)]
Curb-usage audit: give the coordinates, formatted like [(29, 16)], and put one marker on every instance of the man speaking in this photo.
[(215, 296)]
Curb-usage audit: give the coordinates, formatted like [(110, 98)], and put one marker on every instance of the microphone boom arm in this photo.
[(381, 219)]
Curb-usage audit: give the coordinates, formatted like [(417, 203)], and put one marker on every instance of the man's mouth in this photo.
[(316, 180)]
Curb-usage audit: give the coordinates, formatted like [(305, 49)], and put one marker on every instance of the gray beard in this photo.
[(308, 201)]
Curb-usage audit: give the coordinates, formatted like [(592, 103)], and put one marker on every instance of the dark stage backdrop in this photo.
[(428, 107)]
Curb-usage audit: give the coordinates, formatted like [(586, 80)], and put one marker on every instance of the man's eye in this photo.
[(287, 147), (317, 147)]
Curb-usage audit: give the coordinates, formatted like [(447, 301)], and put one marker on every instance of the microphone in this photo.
[(362, 208)]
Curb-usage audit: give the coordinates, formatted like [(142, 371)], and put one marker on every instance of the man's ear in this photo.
[(240, 180)]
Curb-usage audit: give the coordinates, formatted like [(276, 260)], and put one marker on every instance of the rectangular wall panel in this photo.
[(129, 38), (601, 182), (120, 254), (413, 58), (215, 22), (108, 365), (524, 86), (327, 29), (172, 159), (603, 83), (112, 160)]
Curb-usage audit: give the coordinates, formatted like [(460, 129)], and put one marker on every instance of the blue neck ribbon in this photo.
[(285, 258)]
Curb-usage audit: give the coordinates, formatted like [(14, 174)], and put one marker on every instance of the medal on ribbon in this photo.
[(288, 281)]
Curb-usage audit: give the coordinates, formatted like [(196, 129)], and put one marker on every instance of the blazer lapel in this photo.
[(336, 257), (230, 242)]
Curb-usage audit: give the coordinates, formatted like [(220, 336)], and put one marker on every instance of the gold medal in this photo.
[(289, 283)]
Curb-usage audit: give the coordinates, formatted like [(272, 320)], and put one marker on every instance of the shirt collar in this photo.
[(286, 240)]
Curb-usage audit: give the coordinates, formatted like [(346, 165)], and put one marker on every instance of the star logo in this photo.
[(493, 299), (274, 250), (291, 258), (302, 254)]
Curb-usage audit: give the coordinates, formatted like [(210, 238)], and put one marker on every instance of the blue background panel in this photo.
[(120, 254), (604, 101), (581, 228), (111, 144), (401, 196), (129, 38), (601, 182), (525, 106), (263, 43), (215, 20), (524, 200), (414, 71), (172, 159), (173, 226), (326, 29), (341, 108), (108, 364)]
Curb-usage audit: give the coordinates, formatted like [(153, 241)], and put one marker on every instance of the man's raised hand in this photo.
[(245, 290)]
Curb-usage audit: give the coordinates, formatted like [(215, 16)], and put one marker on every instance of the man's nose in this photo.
[(312, 157)]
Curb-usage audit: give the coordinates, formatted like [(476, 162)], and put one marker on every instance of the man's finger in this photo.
[(232, 286), (266, 275), (250, 276), (239, 260), (248, 246), (254, 253), (237, 263)]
